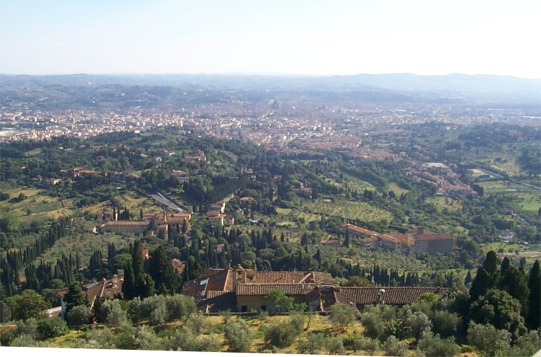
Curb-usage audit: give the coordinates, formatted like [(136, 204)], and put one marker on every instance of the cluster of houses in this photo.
[(417, 241)]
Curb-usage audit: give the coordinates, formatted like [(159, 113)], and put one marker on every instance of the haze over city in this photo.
[(270, 37)]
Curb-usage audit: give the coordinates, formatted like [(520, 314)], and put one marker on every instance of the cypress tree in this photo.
[(533, 319), (161, 270), (74, 297), (128, 286), (515, 283)]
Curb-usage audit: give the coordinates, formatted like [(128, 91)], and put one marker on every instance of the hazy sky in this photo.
[(271, 37)]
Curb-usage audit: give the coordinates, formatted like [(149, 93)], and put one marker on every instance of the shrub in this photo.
[(394, 347), (335, 345), (237, 335), (79, 315), (487, 339), (434, 346), (311, 345), (281, 335), (342, 315), (361, 343), (49, 328), (373, 325)]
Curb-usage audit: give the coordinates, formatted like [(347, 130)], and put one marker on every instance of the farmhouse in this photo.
[(243, 290), (106, 288)]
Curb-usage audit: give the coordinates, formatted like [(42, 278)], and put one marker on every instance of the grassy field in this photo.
[(397, 189), (355, 184), (129, 199), (36, 205), (521, 199), (347, 209), (445, 202)]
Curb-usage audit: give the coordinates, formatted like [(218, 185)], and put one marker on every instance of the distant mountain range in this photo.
[(146, 89)]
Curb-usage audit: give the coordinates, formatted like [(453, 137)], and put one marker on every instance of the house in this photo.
[(507, 235), (106, 288), (417, 241), (155, 223), (133, 227), (390, 295), (244, 290), (180, 175), (389, 241), (243, 201), (199, 156), (430, 242)]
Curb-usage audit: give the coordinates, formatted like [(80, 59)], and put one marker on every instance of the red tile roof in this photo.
[(392, 295), (264, 289)]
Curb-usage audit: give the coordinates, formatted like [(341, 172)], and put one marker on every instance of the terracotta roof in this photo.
[(217, 280), (370, 233), (263, 289), (288, 277), (195, 288), (392, 295), (104, 288), (219, 301), (403, 238), (360, 230), (125, 223), (433, 236)]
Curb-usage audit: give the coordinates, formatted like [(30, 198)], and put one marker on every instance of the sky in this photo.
[(276, 37)]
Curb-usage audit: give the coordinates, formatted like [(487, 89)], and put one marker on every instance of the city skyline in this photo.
[(270, 37)]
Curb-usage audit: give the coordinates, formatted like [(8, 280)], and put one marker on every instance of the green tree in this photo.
[(413, 324), (358, 342), (342, 315), (311, 344), (445, 323), (373, 324), (237, 335), (74, 297), (335, 345), (78, 316), (281, 335), (501, 310), (113, 314), (280, 301), (394, 347), (28, 304), (486, 338), (52, 327), (193, 269), (162, 272), (515, 283), (128, 286), (434, 346), (486, 278), (533, 319)]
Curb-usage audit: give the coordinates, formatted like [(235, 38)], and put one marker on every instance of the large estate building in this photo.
[(417, 241), (154, 223), (243, 290)]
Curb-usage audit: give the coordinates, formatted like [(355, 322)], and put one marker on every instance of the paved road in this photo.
[(160, 198)]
